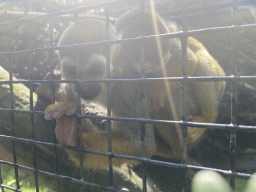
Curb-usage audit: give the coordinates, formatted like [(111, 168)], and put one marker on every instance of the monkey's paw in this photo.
[(56, 111), (66, 127), (66, 131)]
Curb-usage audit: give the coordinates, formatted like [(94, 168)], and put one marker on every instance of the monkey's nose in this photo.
[(71, 72), (88, 91)]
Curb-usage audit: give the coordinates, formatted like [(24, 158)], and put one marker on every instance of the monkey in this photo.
[(87, 62), (90, 63), (163, 59)]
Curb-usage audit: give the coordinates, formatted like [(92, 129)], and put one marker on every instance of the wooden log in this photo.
[(45, 155)]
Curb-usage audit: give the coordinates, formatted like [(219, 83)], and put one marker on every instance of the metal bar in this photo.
[(190, 78), (143, 107), (56, 167), (10, 188), (1, 179), (31, 100), (68, 11), (78, 100), (184, 86), (204, 31), (107, 38), (156, 162), (233, 98), (12, 116)]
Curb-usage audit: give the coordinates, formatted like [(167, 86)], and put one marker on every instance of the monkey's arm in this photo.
[(67, 134), (94, 138), (202, 97), (207, 94)]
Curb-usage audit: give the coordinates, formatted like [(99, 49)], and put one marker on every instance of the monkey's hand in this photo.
[(66, 131), (66, 128), (56, 111), (94, 135)]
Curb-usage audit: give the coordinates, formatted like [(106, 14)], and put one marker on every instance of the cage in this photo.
[(138, 90)]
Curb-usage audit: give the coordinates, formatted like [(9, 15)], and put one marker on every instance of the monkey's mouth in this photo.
[(88, 90)]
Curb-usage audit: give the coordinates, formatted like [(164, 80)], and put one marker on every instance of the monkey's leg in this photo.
[(207, 101), (207, 94), (168, 137), (168, 142)]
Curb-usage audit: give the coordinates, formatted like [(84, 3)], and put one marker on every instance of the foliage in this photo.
[(20, 36), (27, 183)]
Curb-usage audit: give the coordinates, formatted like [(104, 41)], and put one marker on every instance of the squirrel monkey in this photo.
[(90, 63), (163, 59), (162, 99)]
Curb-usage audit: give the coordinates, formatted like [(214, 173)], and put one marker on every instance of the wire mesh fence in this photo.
[(28, 141)]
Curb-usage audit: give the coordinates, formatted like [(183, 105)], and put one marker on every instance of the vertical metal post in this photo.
[(76, 17), (56, 168), (1, 179), (31, 100), (142, 67), (10, 64), (233, 98), (184, 91), (111, 177)]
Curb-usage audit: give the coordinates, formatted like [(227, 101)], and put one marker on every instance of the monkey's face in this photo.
[(85, 62), (92, 67)]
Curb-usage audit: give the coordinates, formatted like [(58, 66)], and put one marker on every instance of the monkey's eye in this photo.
[(70, 71)]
